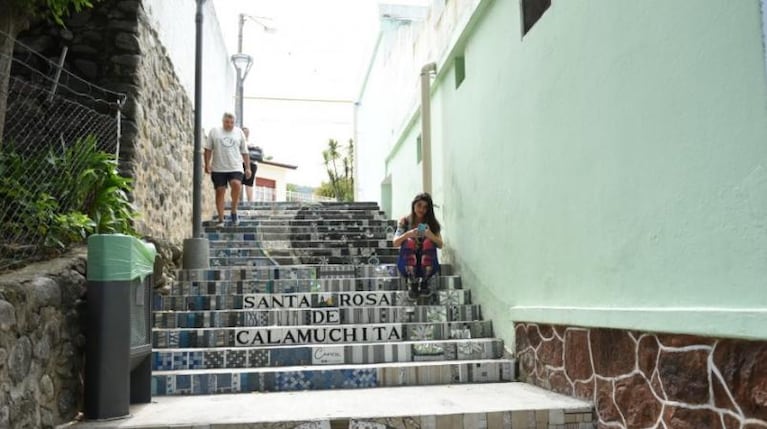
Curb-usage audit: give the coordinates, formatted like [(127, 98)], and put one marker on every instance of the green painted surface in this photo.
[(118, 257), (613, 159)]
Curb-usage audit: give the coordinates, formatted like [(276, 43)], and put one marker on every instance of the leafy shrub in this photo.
[(54, 198)]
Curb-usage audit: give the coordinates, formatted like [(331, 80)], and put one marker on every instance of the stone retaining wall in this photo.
[(114, 45), (42, 343), (42, 337), (640, 380)]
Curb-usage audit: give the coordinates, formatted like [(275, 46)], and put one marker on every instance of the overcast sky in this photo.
[(320, 50)]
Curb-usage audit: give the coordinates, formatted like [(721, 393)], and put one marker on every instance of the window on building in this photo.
[(532, 10), (418, 150), (460, 71)]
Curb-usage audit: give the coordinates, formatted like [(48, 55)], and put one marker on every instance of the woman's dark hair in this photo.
[(431, 220)]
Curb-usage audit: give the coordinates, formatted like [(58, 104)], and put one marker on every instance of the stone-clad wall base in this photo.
[(42, 342), (639, 380)]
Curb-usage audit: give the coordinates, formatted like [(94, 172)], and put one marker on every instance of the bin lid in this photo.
[(119, 257)]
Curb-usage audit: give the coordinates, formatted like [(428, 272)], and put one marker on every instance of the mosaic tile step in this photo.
[(336, 260), (269, 300), (309, 210), (287, 245), (340, 216), (338, 251), (362, 282), (258, 273), (307, 223), (235, 261), (287, 272), (263, 205), (307, 235), (237, 252), (302, 226), (319, 334), (316, 316), (297, 378), (343, 354), (299, 244), (307, 257)]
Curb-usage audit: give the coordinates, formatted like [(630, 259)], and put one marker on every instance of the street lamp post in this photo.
[(243, 62), (196, 249)]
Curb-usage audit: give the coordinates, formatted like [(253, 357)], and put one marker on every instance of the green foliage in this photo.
[(340, 185), (59, 197), (55, 9)]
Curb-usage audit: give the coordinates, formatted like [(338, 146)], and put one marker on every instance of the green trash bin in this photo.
[(118, 365)]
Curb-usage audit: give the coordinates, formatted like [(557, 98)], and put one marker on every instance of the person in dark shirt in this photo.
[(255, 154)]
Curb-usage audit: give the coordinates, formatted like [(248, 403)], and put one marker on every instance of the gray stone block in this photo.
[(20, 359), (45, 292), (7, 316)]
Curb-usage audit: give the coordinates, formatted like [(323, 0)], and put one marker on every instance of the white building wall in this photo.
[(174, 21), (280, 175), (391, 93)]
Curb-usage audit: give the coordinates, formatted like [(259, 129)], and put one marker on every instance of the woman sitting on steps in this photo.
[(418, 238)]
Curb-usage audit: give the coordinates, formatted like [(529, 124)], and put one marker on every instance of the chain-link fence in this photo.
[(56, 126)]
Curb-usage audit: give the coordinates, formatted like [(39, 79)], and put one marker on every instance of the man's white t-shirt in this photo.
[(227, 147)]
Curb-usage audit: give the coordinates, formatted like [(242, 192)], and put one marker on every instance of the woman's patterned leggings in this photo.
[(418, 261)]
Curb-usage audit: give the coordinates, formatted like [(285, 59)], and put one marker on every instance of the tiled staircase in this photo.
[(308, 298)]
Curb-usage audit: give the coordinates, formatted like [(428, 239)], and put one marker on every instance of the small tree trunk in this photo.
[(11, 22)]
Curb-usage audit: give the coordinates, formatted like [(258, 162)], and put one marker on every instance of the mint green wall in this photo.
[(609, 169)]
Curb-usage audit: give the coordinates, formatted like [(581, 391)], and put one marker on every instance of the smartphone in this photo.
[(422, 228)]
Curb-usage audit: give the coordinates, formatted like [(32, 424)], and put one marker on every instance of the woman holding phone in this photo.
[(418, 237)]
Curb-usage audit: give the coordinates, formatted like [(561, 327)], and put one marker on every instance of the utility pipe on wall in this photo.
[(427, 71)]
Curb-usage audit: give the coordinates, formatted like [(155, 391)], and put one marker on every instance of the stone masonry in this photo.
[(41, 342), (641, 380), (113, 45), (42, 337)]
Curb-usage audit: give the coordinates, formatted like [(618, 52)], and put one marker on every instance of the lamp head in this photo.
[(242, 62)]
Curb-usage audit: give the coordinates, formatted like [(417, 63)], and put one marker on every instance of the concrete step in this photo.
[(322, 354), (378, 281), (466, 406), (261, 301), (315, 316), (296, 378), (319, 334)]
